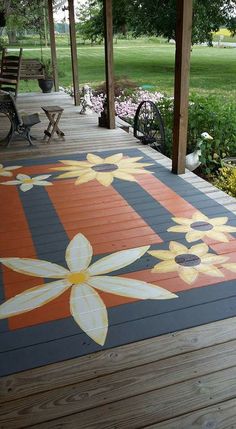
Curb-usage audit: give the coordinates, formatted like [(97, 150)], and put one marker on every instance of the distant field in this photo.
[(147, 61)]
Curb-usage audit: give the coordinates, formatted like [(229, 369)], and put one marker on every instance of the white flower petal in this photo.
[(35, 267), (130, 288), (79, 253), (199, 249), (22, 177), (26, 186), (89, 311), (14, 167), (5, 173), (42, 183), (42, 177), (11, 182), (33, 298), (116, 261)]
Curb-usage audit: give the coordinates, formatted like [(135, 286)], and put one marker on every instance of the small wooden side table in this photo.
[(53, 114)]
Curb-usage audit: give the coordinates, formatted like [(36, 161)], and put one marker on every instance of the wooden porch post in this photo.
[(74, 58), (108, 27), (53, 44), (181, 94)]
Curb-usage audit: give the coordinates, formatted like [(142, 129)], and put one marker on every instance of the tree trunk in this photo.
[(11, 37)]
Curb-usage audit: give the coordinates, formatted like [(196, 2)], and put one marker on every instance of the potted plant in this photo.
[(46, 83)]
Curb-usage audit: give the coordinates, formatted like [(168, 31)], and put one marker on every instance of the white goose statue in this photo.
[(192, 160)]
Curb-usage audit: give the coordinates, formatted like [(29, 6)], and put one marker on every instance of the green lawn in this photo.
[(147, 61)]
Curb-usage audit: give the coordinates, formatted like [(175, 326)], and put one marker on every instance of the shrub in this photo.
[(226, 180)]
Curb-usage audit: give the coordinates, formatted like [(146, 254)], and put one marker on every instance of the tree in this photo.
[(158, 18)]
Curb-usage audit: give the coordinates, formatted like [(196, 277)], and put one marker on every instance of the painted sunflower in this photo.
[(188, 262), (199, 226), (104, 170)]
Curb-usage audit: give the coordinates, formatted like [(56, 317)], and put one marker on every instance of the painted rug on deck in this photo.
[(104, 249)]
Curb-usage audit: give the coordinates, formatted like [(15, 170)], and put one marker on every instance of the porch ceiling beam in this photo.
[(53, 44), (73, 47), (109, 66), (181, 94)]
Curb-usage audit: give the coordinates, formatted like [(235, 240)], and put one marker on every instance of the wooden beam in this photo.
[(108, 27), (53, 44), (73, 47), (181, 94)]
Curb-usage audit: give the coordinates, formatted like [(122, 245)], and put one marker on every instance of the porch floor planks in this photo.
[(194, 371), (118, 386)]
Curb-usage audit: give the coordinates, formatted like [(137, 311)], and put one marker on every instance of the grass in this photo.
[(146, 61)]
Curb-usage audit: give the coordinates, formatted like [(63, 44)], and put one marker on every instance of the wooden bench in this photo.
[(31, 69)]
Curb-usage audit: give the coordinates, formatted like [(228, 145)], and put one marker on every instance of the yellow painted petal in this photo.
[(89, 312), (113, 159), (230, 267), (162, 254), (182, 220), (94, 159), (210, 270), (199, 249), (35, 267), (177, 248), (79, 253), (75, 173), (26, 187), (178, 228), (86, 177), (33, 298), (188, 275), (219, 220), (105, 179), (130, 161), (130, 288), (72, 168), (165, 267), (124, 176), (75, 164), (197, 216), (194, 236), (116, 261), (214, 259), (137, 170), (217, 236), (225, 228)]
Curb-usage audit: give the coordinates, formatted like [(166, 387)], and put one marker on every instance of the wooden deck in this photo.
[(180, 380)]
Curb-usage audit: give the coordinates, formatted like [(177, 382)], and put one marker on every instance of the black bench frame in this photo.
[(20, 125)]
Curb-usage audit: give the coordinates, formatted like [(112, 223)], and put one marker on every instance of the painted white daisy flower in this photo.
[(6, 171), (26, 182), (86, 305)]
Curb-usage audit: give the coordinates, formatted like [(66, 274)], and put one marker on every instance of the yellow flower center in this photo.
[(76, 278), (27, 180)]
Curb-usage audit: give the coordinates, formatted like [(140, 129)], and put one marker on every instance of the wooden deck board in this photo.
[(177, 381)]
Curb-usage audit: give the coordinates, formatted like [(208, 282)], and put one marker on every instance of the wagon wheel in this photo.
[(148, 125)]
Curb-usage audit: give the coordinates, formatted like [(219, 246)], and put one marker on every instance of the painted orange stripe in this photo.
[(8, 195), (97, 237)]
